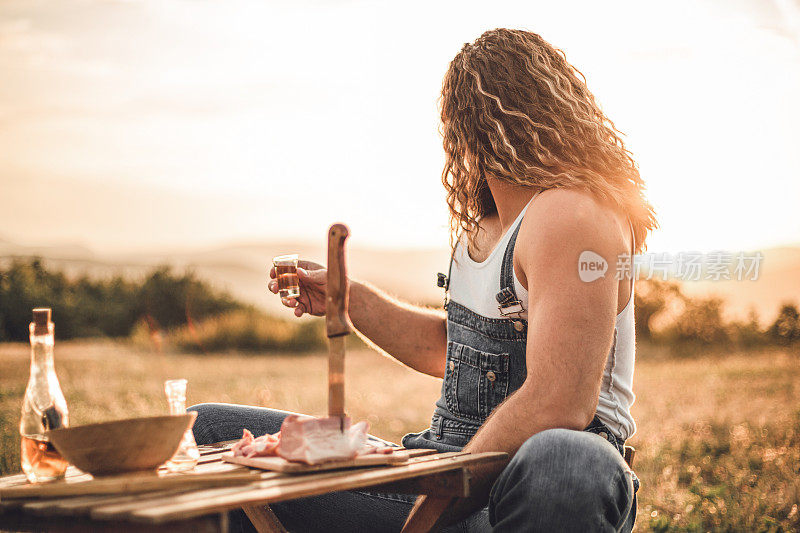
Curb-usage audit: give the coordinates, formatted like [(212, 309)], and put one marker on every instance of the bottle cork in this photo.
[(41, 320)]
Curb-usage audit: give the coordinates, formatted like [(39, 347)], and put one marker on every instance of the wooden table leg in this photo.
[(263, 519), (424, 517)]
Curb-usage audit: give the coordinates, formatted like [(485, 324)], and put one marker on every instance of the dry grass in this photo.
[(247, 330), (718, 441), (718, 445)]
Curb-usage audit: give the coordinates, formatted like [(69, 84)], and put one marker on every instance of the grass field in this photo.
[(718, 440)]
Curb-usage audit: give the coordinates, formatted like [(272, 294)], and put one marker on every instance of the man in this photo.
[(536, 349)]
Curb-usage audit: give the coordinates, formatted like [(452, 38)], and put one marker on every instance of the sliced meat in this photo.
[(310, 440), (318, 440), (385, 450), (246, 440), (263, 446)]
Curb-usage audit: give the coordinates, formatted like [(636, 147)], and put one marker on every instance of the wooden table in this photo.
[(198, 501)]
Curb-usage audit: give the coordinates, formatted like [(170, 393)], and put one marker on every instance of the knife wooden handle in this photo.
[(337, 320)]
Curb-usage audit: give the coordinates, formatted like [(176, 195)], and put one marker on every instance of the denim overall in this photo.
[(486, 362)]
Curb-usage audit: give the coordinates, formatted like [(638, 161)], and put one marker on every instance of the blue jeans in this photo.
[(559, 480)]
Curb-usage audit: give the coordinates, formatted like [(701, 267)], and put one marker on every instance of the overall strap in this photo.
[(508, 302)]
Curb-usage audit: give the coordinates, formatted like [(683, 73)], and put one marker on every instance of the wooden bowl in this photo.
[(127, 445)]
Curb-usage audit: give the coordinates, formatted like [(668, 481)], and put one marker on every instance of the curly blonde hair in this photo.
[(514, 108)]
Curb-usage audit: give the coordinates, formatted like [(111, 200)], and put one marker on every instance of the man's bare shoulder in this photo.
[(569, 221), (563, 209)]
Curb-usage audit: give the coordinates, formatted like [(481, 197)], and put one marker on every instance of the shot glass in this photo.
[(286, 274)]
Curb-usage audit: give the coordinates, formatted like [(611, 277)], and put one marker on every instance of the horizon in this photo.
[(200, 125), (165, 249)]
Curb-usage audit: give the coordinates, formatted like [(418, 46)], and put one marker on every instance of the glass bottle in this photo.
[(187, 455), (43, 407)]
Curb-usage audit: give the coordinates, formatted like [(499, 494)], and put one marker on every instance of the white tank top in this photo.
[(474, 285)]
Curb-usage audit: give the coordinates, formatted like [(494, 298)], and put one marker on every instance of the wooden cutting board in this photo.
[(279, 464)]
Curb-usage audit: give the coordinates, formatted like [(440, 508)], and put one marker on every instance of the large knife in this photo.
[(337, 321)]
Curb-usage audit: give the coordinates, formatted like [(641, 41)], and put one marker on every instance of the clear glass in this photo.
[(187, 455), (43, 408), (286, 274)]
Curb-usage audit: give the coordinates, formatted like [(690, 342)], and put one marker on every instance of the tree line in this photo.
[(199, 317), (666, 315), (108, 307)]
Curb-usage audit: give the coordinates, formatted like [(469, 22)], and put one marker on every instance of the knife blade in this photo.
[(336, 377)]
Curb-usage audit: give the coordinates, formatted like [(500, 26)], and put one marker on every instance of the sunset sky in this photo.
[(128, 125)]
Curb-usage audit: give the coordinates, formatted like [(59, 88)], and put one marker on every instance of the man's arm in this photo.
[(416, 336), (570, 330)]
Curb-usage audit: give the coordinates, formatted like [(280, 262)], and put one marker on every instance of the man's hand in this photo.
[(313, 289)]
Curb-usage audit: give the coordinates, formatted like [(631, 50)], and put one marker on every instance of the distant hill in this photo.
[(63, 251), (242, 269)]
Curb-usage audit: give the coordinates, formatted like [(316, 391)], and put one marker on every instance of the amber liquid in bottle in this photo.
[(43, 407), (41, 460)]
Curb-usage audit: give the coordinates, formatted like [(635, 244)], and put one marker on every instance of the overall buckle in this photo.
[(509, 304), (443, 282), (511, 308)]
